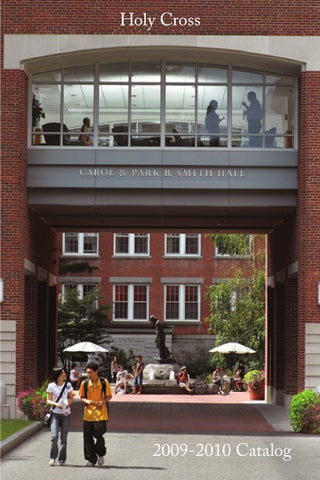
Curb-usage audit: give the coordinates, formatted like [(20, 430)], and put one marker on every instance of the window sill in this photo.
[(182, 257), (232, 257), (81, 255), (181, 322), (123, 255), (130, 320)]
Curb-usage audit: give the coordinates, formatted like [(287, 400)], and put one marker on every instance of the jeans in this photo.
[(59, 420), (138, 381), (92, 449)]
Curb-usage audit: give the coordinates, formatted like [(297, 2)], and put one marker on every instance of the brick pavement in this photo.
[(181, 414)]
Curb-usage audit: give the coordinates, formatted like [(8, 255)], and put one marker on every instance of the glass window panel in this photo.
[(247, 120), (79, 74), (122, 243), (242, 76), (209, 74), (140, 302), (212, 114), (180, 108), (172, 302), (141, 243), (140, 311), (145, 105), (71, 243), (191, 302), (121, 302), (121, 293), (279, 79), (121, 310), (78, 104), (180, 73), (140, 293), (192, 244), (279, 109), (172, 293), (90, 243), (145, 72), (114, 72), (113, 113), (54, 76), (173, 244), (87, 288), (49, 98)]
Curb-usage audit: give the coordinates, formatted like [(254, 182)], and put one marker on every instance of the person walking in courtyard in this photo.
[(95, 393), (60, 396)]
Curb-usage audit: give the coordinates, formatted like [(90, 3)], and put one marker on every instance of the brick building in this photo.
[(144, 75), (163, 274)]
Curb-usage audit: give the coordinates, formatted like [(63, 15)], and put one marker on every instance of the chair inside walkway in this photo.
[(51, 133)]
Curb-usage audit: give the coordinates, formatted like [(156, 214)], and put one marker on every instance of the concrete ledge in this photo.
[(18, 437), (157, 389)]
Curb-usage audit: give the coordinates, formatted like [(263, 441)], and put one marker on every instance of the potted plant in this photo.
[(37, 114), (255, 381)]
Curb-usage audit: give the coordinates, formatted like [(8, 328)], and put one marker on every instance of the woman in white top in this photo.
[(60, 414)]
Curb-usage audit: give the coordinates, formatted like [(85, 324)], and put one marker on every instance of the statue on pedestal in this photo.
[(164, 353)]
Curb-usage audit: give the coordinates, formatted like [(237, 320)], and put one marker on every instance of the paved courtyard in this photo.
[(185, 438), (181, 414)]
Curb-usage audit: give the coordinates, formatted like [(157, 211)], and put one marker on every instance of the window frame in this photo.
[(131, 246), (81, 241), (182, 246), (130, 302), (218, 255), (79, 286), (182, 303)]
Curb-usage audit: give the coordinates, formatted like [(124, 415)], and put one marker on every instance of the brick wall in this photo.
[(221, 17), (308, 212), (298, 239), (23, 234)]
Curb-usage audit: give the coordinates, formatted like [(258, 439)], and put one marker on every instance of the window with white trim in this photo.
[(131, 302), (80, 243), (182, 302), (82, 289), (182, 244), (133, 244)]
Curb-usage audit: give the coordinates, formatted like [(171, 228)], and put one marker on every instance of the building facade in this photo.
[(142, 274), (150, 160)]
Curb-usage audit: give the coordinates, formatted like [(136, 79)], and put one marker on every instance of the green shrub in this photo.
[(199, 365), (304, 412)]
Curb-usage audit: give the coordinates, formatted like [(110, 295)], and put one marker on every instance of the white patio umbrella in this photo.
[(86, 347), (232, 347)]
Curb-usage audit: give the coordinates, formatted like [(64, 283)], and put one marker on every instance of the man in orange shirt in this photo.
[(95, 393)]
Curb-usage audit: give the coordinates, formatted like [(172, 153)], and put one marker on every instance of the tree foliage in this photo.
[(237, 314), (237, 245), (79, 320)]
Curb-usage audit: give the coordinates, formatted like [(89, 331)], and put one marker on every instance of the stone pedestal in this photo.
[(161, 378), (160, 371)]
